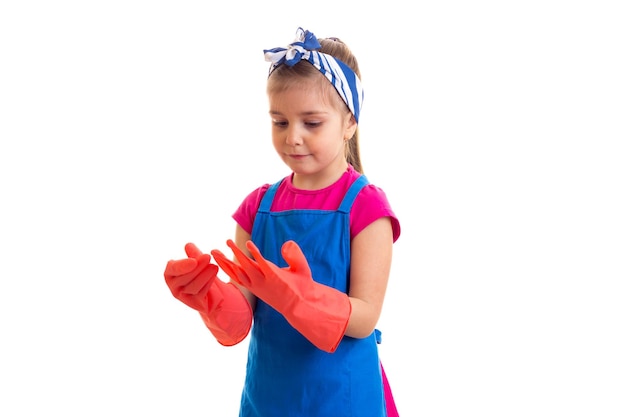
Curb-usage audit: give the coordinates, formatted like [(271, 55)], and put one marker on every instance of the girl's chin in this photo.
[(300, 165)]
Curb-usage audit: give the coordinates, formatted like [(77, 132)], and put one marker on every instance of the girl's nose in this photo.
[(293, 137)]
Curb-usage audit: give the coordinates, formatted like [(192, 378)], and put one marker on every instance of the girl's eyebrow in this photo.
[(306, 113)]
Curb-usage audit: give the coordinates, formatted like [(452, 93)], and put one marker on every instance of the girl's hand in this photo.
[(190, 279)]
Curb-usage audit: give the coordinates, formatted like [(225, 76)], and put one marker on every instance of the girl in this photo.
[(312, 252)]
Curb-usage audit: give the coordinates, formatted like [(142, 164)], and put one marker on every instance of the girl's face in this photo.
[(309, 132)]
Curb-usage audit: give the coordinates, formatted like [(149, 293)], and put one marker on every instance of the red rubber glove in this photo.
[(223, 308), (190, 279), (319, 312)]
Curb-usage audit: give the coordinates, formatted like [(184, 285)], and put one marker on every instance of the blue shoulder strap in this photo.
[(266, 202), (353, 191)]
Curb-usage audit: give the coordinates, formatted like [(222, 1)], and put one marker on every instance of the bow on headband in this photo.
[(338, 73)]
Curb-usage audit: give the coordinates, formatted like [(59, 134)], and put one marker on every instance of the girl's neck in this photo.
[(319, 180)]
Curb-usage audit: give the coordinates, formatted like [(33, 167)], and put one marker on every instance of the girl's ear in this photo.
[(350, 126)]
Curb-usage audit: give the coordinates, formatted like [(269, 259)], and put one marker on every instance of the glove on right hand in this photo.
[(190, 279), (222, 306)]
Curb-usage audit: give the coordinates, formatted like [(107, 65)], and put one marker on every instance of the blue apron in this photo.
[(286, 374)]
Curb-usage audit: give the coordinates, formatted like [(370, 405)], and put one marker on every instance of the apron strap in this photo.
[(266, 202), (355, 188)]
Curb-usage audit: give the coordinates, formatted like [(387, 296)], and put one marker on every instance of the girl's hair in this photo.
[(284, 77)]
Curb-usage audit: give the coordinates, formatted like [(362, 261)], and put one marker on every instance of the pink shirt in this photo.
[(370, 204)]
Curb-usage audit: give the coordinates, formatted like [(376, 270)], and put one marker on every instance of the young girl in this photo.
[(312, 252)]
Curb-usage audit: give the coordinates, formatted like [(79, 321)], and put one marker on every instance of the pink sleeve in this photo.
[(245, 213), (370, 205)]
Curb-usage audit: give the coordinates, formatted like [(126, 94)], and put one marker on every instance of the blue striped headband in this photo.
[(338, 73)]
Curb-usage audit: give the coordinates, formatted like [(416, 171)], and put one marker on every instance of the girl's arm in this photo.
[(370, 266)]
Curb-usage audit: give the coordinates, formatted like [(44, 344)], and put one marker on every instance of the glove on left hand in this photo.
[(319, 312)]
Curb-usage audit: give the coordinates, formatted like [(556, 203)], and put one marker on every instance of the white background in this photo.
[(497, 130)]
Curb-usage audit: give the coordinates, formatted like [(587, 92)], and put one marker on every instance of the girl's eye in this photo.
[(313, 124), (279, 123)]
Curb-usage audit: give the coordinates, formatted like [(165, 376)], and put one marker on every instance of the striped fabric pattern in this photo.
[(338, 73)]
